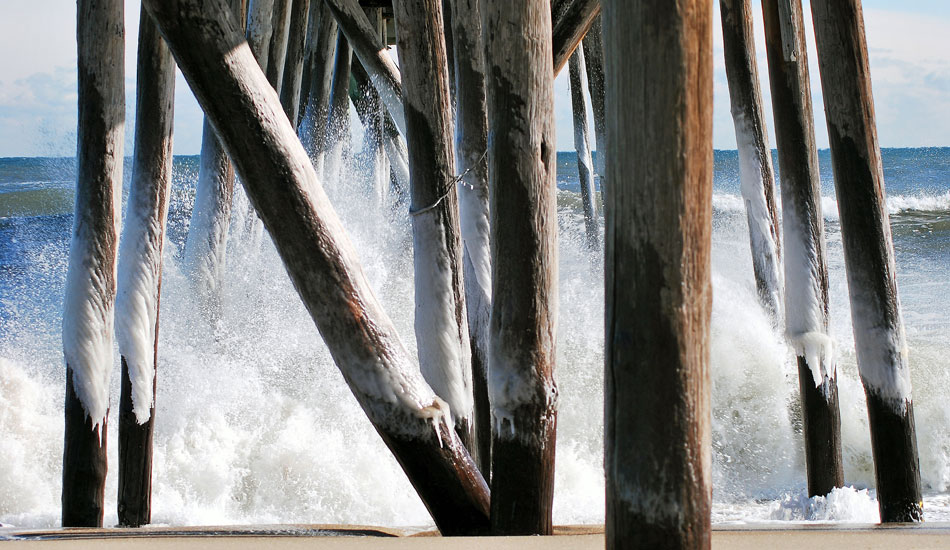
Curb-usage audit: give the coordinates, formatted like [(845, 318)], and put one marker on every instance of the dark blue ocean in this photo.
[(255, 424)]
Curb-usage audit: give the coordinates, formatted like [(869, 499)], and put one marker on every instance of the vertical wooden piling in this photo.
[(140, 271), (757, 181), (593, 45), (277, 51), (659, 77), (585, 164), (293, 67), (569, 27), (441, 321), (338, 122), (471, 145), (869, 256), (88, 311), (522, 169), (806, 272), (260, 21), (371, 112), (313, 126), (311, 241)]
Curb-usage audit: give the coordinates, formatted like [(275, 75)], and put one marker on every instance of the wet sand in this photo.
[(349, 537)]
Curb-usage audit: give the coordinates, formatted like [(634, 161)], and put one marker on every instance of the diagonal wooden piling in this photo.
[(869, 256), (659, 77), (593, 45), (574, 18), (585, 163), (284, 188), (522, 348)]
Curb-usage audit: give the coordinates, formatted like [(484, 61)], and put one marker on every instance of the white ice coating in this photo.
[(89, 312), (206, 244), (752, 186), (511, 386), (476, 230), (442, 356), (139, 276), (398, 160), (805, 321)]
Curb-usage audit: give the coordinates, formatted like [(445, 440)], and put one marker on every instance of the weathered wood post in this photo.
[(293, 67), (277, 50), (338, 122), (806, 273), (260, 27), (756, 178), (140, 271), (88, 311), (585, 163), (869, 256), (372, 55), (574, 18), (594, 57), (441, 321), (313, 126), (284, 188), (523, 335), (372, 114), (659, 77), (471, 146)]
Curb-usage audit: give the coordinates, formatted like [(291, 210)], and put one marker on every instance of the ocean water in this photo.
[(254, 423)]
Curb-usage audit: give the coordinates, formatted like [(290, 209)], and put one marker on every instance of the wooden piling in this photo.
[(522, 169), (371, 113), (471, 145), (320, 260), (441, 322), (338, 122), (88, 311), (806, 271), (585, 163), (869, 256), (593, 45), (293, 67), (757, 181), (372, 55), (659, 77), (569, 28), (260, 21), (313, 127), (140, 271), (277, 51)]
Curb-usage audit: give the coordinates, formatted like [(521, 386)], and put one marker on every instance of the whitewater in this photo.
[(254, 423)]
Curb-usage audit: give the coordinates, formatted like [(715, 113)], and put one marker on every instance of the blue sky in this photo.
[(909, 48)]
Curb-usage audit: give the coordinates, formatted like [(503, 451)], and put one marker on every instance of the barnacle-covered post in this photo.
[(522, 351), (869, 256), (140, 271), (88, 311), (806, 271), (283, 187), (657, 435)]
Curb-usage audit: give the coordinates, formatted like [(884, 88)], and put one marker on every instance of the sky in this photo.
[(908, 44)]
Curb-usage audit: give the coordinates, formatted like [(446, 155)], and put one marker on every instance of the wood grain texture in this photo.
[(806, 270), (868, 251), (100, 38), (320, 260), (148, 201), (570, 26), (659, 78), (523, 328)]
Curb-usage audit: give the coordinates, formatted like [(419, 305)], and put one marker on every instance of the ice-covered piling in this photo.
[(140, 271), (585, 164), (441, 322), (338, 122), (657, 433), (756, 178), (523, 327), (869, 256), (806, 270), (88, 311), (322, 263), (471, 144)]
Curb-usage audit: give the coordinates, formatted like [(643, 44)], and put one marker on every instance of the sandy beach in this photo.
[(346, 537)]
